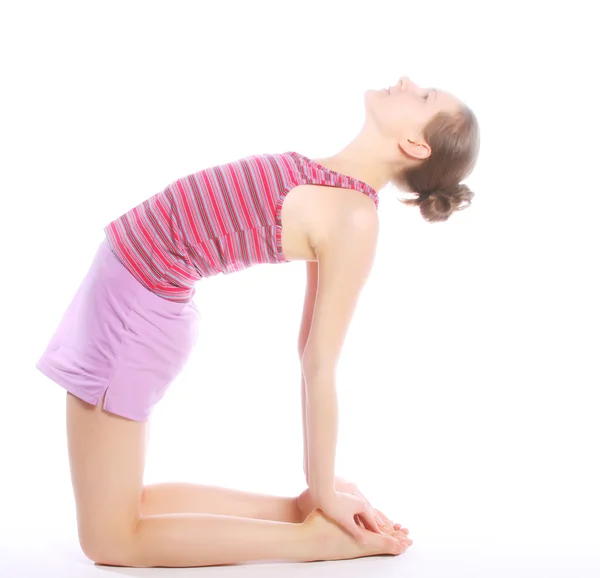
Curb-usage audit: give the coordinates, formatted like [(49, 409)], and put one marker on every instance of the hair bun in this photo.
[(439, 205)]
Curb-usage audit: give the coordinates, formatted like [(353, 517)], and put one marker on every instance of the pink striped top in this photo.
[(218, 220)]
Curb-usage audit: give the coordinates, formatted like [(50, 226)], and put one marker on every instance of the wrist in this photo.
[(321, 496), (320, 486)]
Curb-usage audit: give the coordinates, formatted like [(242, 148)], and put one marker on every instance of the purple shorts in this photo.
[(118, 337)]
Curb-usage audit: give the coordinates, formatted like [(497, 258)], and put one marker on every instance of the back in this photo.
[(218, 220)]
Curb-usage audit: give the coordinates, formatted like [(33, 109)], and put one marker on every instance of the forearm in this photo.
[(321, 431), (304, 428), (312, 277)]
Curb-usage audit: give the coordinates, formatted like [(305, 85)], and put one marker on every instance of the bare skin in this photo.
[(333, 543), (123, 523), (170, 498), (117, 527)]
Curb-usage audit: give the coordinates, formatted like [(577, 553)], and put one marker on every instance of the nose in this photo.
[(406, 83)]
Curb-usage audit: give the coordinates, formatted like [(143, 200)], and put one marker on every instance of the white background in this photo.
[(468, 383)]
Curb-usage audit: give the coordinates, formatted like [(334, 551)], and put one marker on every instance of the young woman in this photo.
[(132, 324)]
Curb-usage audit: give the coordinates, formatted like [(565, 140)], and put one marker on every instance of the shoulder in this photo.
[(334, 213)]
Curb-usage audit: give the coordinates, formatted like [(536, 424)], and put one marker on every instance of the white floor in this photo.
[(44, 552)]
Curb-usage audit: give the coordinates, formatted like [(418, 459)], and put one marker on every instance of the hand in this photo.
[(347, 510), (386, 525), (389, 526), (305, 505), (342, 485)]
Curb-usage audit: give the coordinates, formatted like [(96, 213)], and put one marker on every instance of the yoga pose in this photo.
[(132, 324)]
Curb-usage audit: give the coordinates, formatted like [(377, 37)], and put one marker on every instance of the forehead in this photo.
[(444, 100)]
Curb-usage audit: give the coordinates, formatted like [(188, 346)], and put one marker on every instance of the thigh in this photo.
[(107, 455)]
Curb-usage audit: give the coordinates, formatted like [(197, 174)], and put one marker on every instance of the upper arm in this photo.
[(312, 278), (345, 258)]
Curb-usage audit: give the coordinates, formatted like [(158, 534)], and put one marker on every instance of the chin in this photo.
[(370, 94), (372, 100)]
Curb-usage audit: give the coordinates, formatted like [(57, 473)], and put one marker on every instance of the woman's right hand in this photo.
[(345, 510)]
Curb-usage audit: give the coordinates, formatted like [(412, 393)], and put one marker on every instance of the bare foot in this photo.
[(331, 542), (305, 507), (388, 526)]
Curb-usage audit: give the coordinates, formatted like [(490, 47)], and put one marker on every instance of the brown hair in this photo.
[(454, 142)]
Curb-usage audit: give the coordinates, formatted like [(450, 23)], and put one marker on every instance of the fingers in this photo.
[(388, 523), (383, 517), (360, 520), (368, 517), (380, 520), (356, 531), (358, 493), (370, 521), (372, 514), (384, 522)]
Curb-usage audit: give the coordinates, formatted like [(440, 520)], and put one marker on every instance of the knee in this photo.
[(110, 547)]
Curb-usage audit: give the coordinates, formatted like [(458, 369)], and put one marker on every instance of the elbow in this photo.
[(318, 361), (315, 371)]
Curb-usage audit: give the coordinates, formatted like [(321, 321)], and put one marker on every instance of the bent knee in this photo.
[(110, 547)]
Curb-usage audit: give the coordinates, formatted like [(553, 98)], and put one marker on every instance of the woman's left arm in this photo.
[(312, 279)]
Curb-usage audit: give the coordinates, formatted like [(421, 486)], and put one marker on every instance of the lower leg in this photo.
[(169, 498), (191, 540), (188, 540), (106, 454)]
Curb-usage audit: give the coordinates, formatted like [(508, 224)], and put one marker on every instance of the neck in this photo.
[(364, 158)]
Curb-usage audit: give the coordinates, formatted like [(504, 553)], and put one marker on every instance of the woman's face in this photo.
[(402, 112)]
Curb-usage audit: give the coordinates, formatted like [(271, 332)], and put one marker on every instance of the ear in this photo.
[(419, 150)]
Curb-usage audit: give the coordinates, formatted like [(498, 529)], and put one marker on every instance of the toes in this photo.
[(393, 546), (402, 537)]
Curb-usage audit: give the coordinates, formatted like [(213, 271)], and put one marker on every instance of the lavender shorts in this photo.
[(118, 337)]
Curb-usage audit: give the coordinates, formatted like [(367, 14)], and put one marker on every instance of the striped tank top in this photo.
[(219, 220)]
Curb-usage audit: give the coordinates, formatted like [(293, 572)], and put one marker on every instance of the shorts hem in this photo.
[(49, 372)]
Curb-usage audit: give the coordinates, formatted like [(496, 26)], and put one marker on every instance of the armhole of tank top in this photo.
[(278, 226)]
